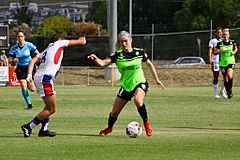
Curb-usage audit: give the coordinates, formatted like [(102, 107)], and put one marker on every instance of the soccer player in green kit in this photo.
[(132, 82), (227, 50)]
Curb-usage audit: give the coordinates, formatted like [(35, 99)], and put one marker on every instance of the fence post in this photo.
[(62, 77), (152, 40)]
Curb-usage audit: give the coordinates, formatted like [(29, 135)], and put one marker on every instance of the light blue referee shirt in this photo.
[(22, 53)]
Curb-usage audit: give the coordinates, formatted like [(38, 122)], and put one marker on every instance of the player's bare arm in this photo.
[(81, 41), (98, 61), (235, 49), (154, 72), (210, 52), (31, 67)]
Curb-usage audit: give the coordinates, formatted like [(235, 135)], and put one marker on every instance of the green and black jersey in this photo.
[(226, 57), (130, 67)]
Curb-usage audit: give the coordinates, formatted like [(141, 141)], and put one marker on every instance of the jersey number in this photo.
[(43, 57)]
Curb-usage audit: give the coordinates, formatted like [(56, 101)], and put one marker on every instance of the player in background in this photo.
[(227, 49), (50, 60), (132, 82), (21, 54), (214, 61)]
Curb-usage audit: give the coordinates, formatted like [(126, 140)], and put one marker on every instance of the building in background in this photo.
[(75, 12)]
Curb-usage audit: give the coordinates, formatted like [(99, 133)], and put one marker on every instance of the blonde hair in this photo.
[(120, 35), (226, 30)]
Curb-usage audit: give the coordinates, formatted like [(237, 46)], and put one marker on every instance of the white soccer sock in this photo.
[(215, 89), (222, 87), (45, 127), (32, 125)]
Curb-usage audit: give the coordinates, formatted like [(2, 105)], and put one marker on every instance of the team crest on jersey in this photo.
[(121, 54), (26, 52)]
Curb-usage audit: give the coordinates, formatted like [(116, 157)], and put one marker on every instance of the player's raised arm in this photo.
[(81, 41)]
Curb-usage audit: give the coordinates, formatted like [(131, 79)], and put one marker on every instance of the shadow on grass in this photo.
[(79, 134), (14, 135), (20, 135)]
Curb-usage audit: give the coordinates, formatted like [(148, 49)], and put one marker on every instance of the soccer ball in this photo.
[(133, 130)]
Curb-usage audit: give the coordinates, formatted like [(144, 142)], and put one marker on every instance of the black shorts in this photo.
[(22, 72), (224, 69), (123, 94)]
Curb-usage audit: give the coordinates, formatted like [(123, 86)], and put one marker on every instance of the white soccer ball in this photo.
[(133, 130)]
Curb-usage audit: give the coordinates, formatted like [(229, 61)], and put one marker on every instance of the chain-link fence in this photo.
[(174, 76), (167, 46)]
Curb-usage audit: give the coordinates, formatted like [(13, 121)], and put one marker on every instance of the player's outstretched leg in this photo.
[(109, 129)]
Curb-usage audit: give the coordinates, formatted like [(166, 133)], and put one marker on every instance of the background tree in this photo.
[(145, 13), (88, 28), (55, 24), (197, 14), (98, 13), (22, 27), (23, 14)]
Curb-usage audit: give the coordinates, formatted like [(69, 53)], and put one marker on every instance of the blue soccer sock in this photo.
[(26, 96)]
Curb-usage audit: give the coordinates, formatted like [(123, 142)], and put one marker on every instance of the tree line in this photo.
[(166, 15)]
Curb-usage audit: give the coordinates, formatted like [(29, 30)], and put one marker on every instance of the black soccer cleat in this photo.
[(29, 106), (26, 130), (46, 133)]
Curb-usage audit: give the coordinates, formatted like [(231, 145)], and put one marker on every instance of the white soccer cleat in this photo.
[(217, 97), (222, 93)]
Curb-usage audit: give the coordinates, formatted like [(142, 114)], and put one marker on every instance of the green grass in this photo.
[(187, 124)]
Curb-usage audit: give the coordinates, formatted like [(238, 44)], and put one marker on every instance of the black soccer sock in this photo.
[(230, 83), (111, 121), (143, 112)]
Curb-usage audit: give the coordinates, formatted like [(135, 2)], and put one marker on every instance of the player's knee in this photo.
[(138, 102), (53, 110)]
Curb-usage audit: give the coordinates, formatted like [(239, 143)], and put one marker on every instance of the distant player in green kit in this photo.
[(227, 50), (132, 82)]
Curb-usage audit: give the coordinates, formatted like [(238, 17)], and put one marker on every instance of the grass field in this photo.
[(187, 123)]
